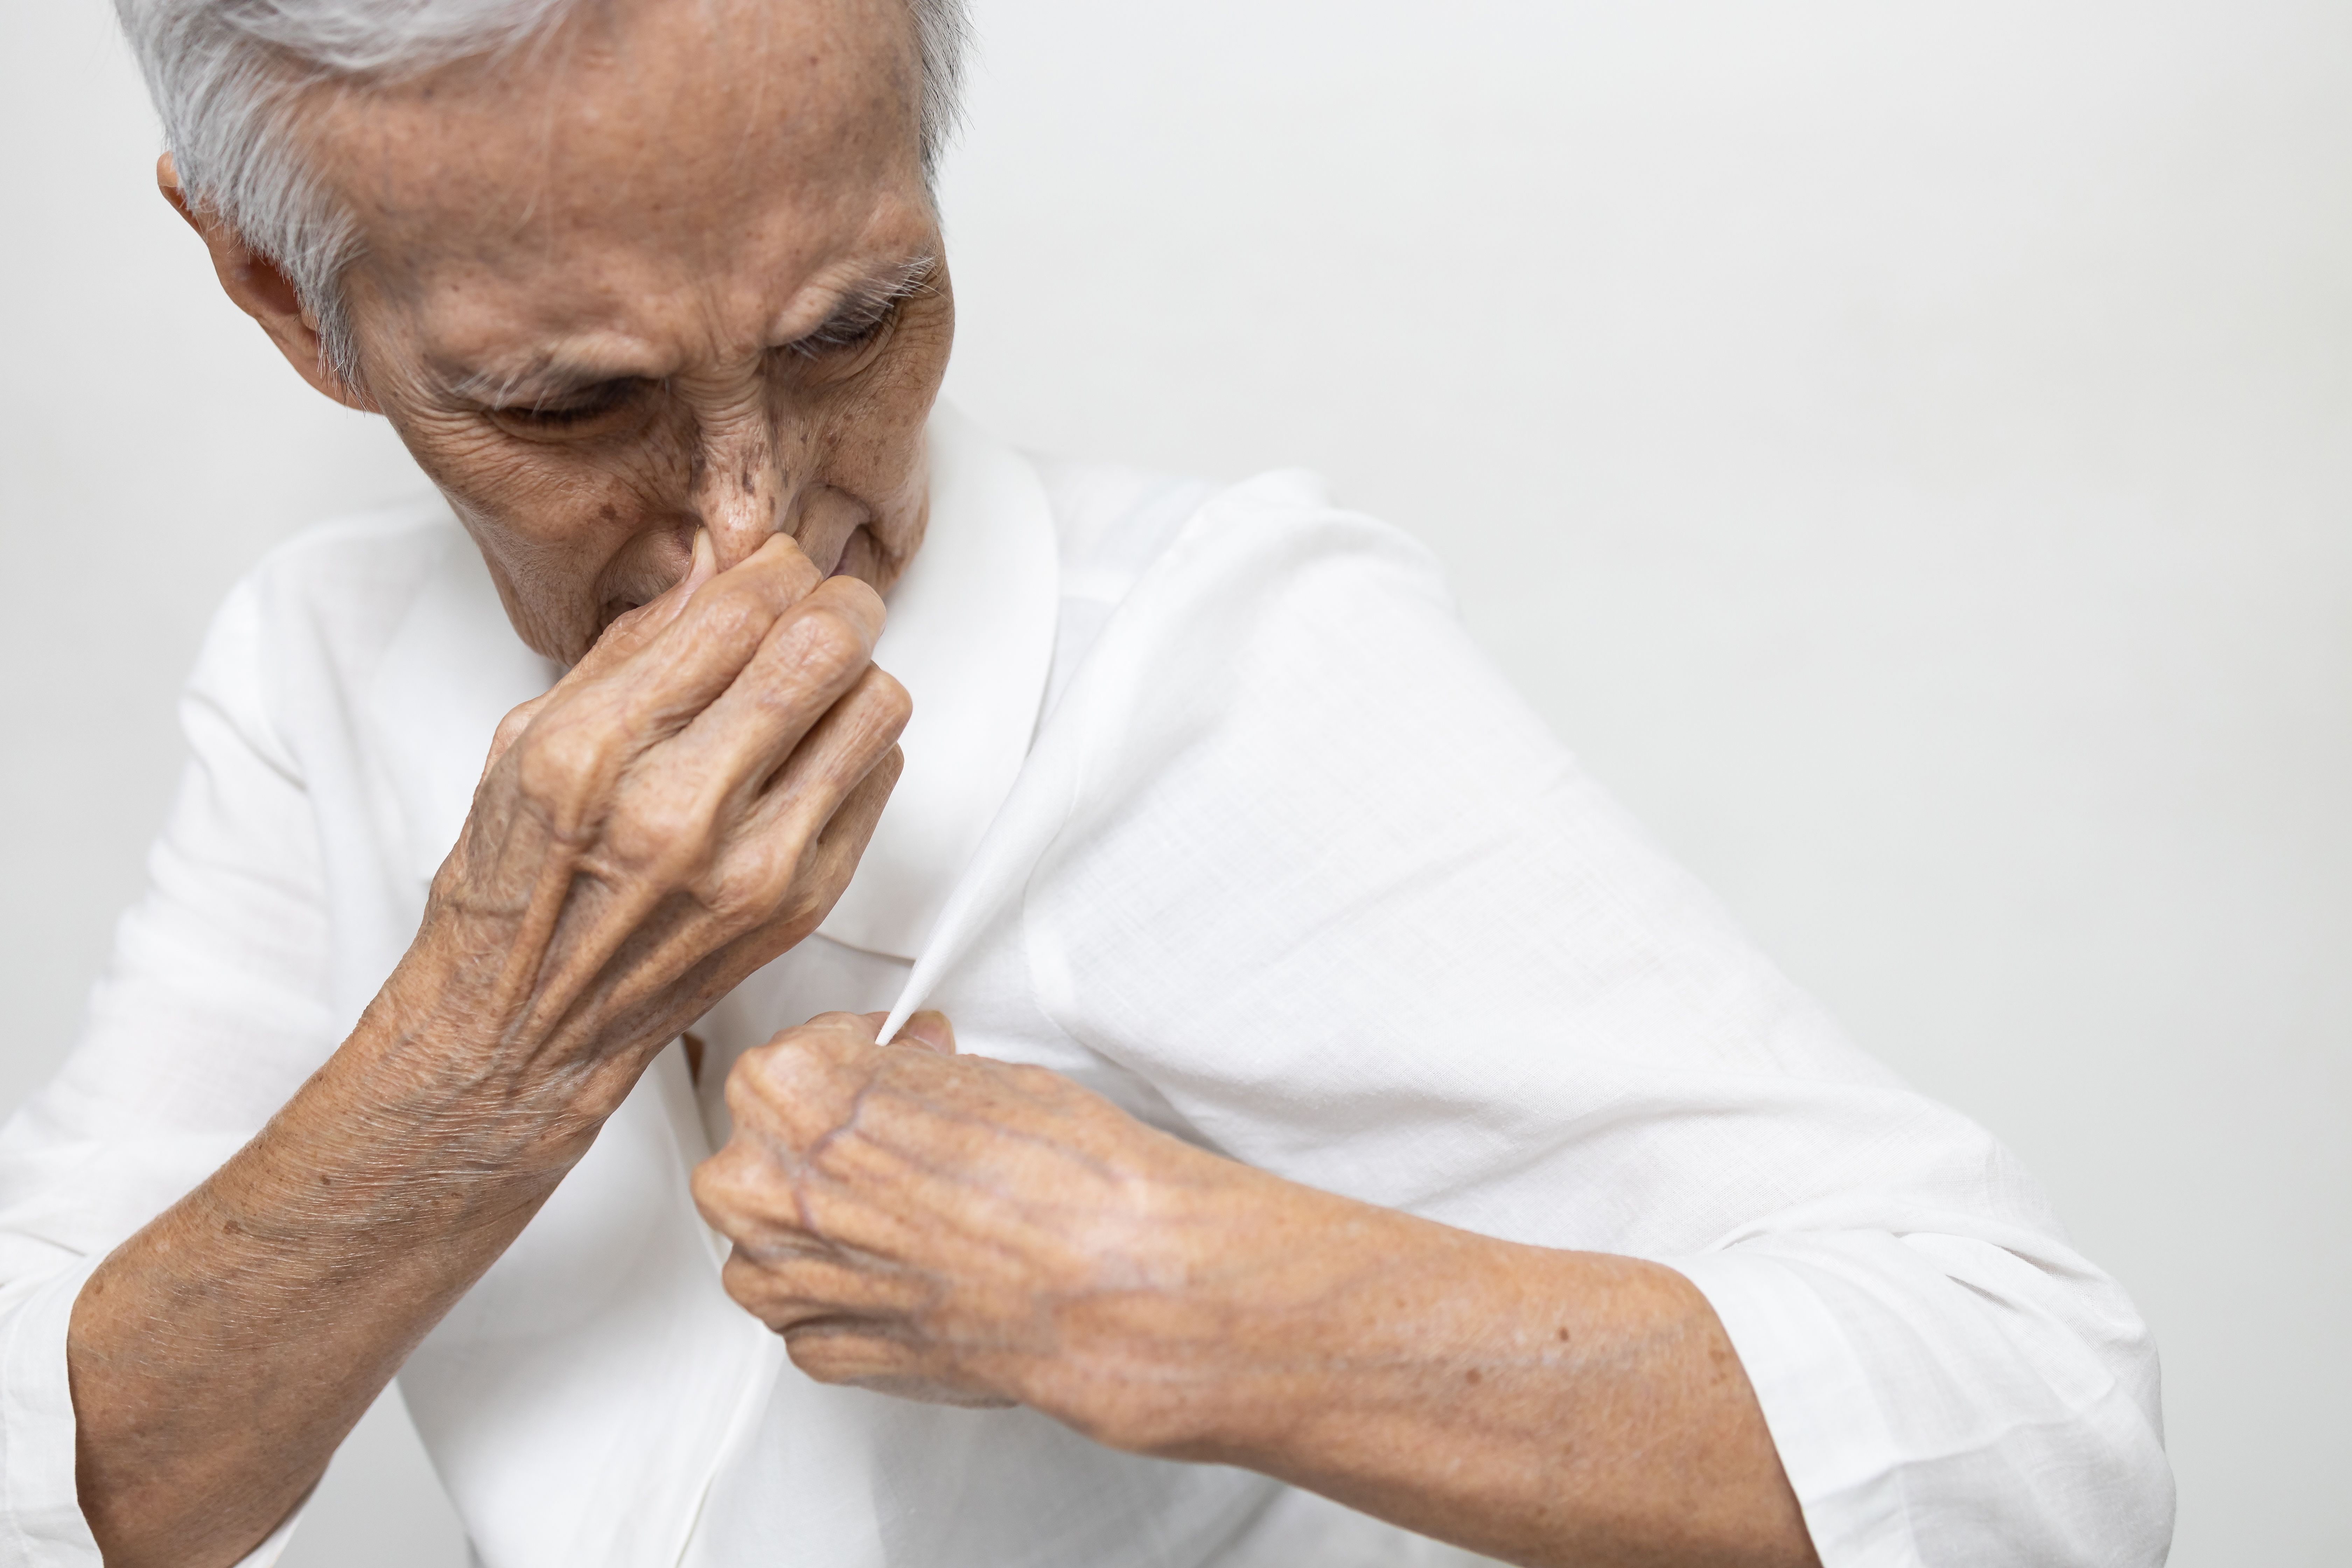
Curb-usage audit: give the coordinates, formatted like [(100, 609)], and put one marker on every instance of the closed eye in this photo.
[(572, 411), (867, 315), (845, 332)]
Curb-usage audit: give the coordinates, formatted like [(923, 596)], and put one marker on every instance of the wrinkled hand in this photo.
[(684, 805), (965, 1230), (972, 1232)]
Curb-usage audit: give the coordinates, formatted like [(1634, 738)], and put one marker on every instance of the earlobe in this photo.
[(256, 286)]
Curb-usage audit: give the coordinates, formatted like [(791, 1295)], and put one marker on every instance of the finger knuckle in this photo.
[(743, 891), (824, 638), (738, 610), (717, 1183), (556, 760), (892, 703), (735, 1188), (665, 831), (824, 1358), (777, 1071), (516, 720), (746, 1284), (749, 1084)]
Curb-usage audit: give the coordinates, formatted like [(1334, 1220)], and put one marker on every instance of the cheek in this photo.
[(573, 536), (875, 453)]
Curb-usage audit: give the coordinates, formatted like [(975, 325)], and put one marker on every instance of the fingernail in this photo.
[(930, 1027)]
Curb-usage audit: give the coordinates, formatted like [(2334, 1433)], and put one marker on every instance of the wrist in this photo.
[(412, 1117), (443, 1048), (1250, 1315)]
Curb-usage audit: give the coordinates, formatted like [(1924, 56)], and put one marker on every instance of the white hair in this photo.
[(225, 76)]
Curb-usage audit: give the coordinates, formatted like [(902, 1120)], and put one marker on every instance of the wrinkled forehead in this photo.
[(645, 148)]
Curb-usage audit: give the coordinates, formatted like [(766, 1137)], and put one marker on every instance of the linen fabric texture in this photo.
[(1212, 805)]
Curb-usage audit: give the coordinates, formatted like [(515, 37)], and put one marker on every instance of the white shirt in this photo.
[(1211, 805)]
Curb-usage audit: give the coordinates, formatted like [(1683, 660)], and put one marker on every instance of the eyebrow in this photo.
[(550, 379), (555, 375), (867, 301)]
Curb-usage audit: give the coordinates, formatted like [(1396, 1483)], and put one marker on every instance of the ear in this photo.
[(261, 291)]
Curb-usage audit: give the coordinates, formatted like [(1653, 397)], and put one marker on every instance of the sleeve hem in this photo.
[(1816, 1397), (44, 1525), (41, 1499)]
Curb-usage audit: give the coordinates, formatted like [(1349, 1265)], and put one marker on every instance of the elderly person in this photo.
[(1349, 1132)]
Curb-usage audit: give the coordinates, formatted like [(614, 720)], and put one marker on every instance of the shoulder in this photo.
[(372, 641), (326, 595), (1163, 556), (1119, 526), (360, 572), (1109, 516)]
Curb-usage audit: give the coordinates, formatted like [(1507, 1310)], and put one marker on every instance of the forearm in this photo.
[(218, 1356), (683, 806), (970, 1230), (1537, 1405)]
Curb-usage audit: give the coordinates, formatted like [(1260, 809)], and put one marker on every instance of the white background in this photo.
[(1903, 447)]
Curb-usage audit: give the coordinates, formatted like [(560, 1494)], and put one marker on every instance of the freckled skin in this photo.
[(652, 213), (733, 429), (606, 300)]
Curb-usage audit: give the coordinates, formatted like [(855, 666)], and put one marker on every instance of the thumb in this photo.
[(928, 1030)]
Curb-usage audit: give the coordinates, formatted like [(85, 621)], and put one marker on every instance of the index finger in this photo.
[(759, 589), (683, 666)]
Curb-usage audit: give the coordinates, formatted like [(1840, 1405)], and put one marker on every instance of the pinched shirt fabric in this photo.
[(1210, 804)]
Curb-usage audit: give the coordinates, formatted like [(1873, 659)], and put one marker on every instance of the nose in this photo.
[(739, 485)]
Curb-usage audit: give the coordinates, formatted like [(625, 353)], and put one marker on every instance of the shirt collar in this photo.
[(970, 636)]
